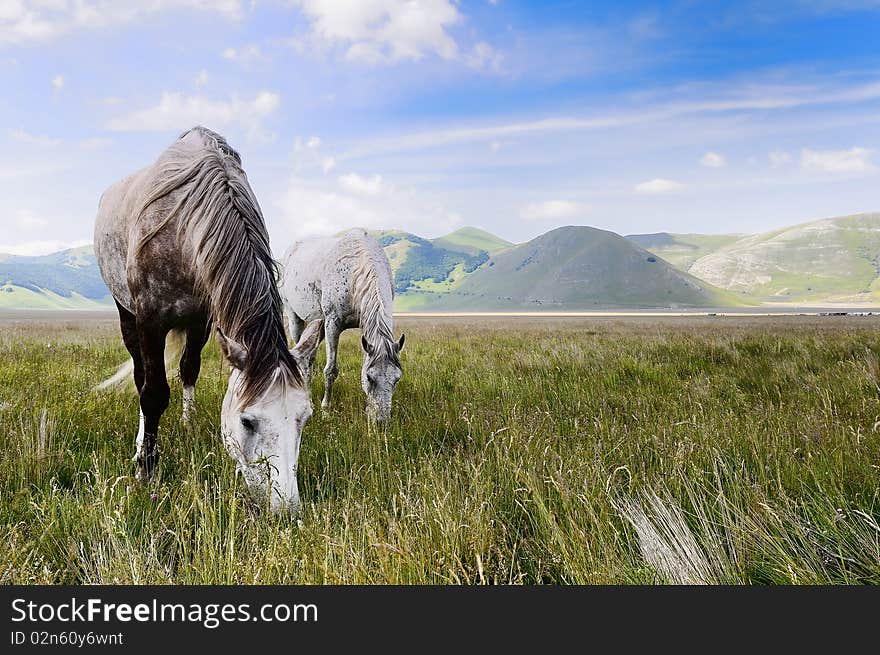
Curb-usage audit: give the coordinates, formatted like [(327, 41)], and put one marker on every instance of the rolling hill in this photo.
[(472, 240), (682, 250), (829, 261), (572, 268), (63, 280)]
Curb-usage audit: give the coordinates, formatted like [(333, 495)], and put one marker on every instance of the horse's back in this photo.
[(113, 227), (320, 274), (133, 245)]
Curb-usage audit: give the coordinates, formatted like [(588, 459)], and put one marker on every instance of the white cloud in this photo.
[(23, 21), (713, 160), (96, 143), (29, 221), (310, 207), (744, 100), (313, 142), (854, 160), (37, 140), (779, 158), (658, 185), (201, 78), (484, 57), (552, 209), (367, 186), (248, 56), (384, 31), (177, 112), (58, 83), (328, 164), (35, 248)]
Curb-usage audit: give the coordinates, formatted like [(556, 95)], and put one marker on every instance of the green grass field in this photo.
[(732, 450)]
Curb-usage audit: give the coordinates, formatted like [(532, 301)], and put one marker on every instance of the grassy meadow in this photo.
[(717, 450)]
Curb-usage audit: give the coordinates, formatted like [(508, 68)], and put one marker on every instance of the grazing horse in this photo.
[(182, 245), (346, 281)]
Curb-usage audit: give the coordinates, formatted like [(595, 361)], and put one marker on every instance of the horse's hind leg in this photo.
[(154, 397), (128, 327), (331, 370), (190, 364)]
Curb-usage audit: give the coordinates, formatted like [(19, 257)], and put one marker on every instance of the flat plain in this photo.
[(637, 449)]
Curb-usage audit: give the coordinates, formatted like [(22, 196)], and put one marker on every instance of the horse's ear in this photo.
[(399, 345), (232, 350), (366, 346), (307, 347)]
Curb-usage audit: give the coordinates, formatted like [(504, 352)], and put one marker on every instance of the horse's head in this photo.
[(264, 436), (380, 374)]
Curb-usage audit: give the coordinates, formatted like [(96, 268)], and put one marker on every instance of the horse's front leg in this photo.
[(331, 370), (190, 364), (154, 397)]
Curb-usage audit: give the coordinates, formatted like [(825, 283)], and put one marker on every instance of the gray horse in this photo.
[(182, 245), (347, 282)]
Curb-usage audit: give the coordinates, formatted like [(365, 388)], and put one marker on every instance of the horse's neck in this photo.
[(375, 318)]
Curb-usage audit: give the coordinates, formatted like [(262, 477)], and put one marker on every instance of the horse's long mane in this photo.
[(372, 293), (218, 214)]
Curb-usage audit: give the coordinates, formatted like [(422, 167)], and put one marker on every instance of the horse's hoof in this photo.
[(146, 467)]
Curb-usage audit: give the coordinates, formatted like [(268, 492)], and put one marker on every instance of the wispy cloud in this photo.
[(854, 160), (36, 140), (248, 56), (177, 112), (367, 186), (310, 207), (779, 158), (713, 160), (746, 99), (552, 210), (23, 21), (658, 185)]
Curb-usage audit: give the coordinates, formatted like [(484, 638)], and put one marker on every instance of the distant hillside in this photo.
[(833, 260), (573, 268), (682, 250), (437, 265), (472, 241), (63, 280)]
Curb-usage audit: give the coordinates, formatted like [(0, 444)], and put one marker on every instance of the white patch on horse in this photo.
[(139, 440), (189, 403)]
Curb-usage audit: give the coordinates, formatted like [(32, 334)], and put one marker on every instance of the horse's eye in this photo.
[(371, 380), (248, 423)]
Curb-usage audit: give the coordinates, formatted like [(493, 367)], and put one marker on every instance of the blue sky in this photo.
[(429, 115)]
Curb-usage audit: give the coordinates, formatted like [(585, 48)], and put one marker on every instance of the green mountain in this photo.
[(63, 280), (833, 261), (430, 266), (569, 268), (472, 240), (682, 250)]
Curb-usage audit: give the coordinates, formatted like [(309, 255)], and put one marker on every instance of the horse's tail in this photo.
[(125, 373)]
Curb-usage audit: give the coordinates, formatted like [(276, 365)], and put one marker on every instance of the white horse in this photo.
[(347, 281)]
